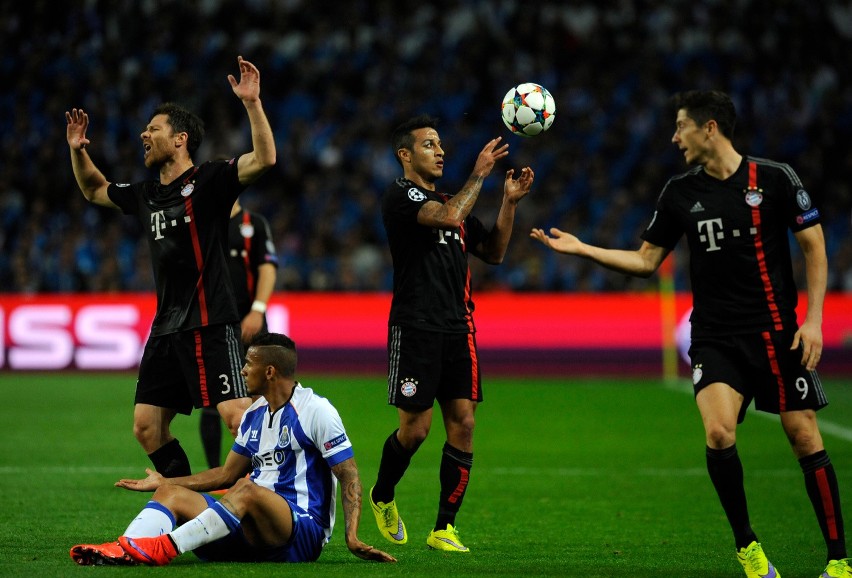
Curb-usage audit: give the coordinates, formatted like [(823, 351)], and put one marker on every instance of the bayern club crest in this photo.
[(754, 197), (408, 386), (697, 374), (247, 230), (187, 190)]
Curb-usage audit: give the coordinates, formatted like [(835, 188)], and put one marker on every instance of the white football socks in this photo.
[(153, 520), (203, 529)]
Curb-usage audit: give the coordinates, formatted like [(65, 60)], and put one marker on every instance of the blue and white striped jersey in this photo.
[(292, 451)]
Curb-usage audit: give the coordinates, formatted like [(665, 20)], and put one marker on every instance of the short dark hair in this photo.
[(402, 137), (182, 120), (277, 350), (705, 105)]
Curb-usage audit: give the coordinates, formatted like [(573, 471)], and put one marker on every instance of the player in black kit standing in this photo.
[(431, 335), (252, 267), (193, 356), (735, 212)]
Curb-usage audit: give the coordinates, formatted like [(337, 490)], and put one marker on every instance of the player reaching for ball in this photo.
[(735, 212), (431, 335)]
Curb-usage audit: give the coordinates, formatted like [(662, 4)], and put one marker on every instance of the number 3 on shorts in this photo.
[(226, 386)]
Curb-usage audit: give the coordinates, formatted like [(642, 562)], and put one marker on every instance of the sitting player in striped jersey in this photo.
[(293, 444)]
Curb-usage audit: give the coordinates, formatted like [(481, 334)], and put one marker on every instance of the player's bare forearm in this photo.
[(640, 263), (346, 473), (252, 165), (91, 181), (812, 243), (266, 275), (200, 482), (809, 335), (493, 249), (451, 215)]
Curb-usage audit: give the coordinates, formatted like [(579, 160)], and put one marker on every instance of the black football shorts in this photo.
[(759, 366), (194, 368), (426, 365)]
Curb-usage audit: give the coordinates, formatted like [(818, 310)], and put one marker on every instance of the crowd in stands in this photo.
[(336, 76)]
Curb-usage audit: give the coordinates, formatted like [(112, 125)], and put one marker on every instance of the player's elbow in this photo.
[(267, 160)]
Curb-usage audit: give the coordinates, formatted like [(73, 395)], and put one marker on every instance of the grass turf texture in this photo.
[(572, 477)]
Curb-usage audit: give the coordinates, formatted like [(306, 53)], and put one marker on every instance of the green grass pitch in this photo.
[(572, 477)]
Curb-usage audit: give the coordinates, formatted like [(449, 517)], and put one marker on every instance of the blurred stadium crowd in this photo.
[(335, 76)]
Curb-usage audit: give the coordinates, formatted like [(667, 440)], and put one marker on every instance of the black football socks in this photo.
[(821, 484), (170, 460), (726, 473), (454, 474), (395, 460)]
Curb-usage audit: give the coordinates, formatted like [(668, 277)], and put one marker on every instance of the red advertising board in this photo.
[(608, 332)]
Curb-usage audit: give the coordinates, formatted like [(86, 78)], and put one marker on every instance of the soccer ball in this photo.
[(528, 109)]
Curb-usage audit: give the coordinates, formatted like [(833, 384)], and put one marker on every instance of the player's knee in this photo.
[(149, 437), (720, 436), (413, 436), (804, 441), (167, 494), (243, 493), (232, 412)]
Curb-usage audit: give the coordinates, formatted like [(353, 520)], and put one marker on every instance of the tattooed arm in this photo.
[(451, 214), (350, 492)]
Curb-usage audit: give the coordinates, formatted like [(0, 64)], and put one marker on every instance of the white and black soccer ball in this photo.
[(528, 109)]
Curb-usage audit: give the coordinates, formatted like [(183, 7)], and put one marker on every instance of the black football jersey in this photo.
[(738, 235), (186, 224), (249, 246), (431, 277)]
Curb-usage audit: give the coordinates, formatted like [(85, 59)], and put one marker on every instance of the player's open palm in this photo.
[(517, 189), (149, 484), (560, 241), (248, 88), (77, 121)]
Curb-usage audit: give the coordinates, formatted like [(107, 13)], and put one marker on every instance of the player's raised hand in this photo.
[(149, 484), (75, 131), (517, 189), (488, 156), (248, 88), (560, 241)]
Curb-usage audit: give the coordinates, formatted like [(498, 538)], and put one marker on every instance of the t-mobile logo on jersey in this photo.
[(160, 222), (709, 232), (443, 235)]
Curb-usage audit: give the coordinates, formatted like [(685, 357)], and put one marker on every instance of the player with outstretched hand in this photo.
[(295, 447), (193, 355), (735, 212)]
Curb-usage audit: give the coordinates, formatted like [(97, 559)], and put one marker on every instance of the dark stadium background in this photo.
[(336, 75)]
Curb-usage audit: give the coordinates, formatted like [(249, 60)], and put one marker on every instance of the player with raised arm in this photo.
[(193, 355), (432, 353)]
